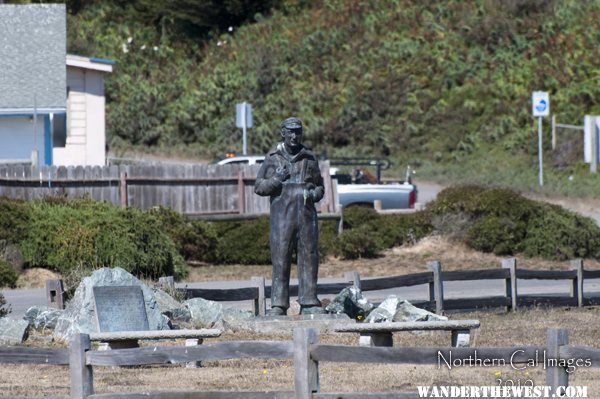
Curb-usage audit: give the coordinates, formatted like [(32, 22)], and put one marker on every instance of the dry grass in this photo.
[(35, 278), (523, 328)]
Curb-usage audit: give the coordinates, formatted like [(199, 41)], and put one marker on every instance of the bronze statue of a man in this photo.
[(290, 175)]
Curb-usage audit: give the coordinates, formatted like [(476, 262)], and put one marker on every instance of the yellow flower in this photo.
[(497, 373), (264, 371)]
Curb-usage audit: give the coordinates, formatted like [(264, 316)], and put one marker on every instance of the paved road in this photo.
[(21, 300)]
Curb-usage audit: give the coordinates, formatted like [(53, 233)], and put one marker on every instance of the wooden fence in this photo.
[(306, 353), (187, 188), (434, 279)]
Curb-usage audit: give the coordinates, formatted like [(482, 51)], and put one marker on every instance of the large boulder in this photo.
[(170, 307), (406, 311), (43, 317), (210, 314), (395, 309), (13, 332), (80, 315), (385, 311), (351, 302)]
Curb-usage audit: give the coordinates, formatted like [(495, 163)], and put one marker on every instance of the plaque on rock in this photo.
[(120, 308)]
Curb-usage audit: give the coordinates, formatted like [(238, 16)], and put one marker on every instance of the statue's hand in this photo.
[(311, 194), (282, 173)]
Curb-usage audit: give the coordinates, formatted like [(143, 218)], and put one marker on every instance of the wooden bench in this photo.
[(380, 334), (129, 339)]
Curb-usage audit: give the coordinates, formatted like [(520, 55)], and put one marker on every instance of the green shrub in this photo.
[(556, 233), (244, 242), (4, 310), (499, 235), (83, 234), (505, 223), (195, 240), (378, 231), (8, 275), (356, 216), (359, 242), (328, 232), (14, 216), (398, 229)]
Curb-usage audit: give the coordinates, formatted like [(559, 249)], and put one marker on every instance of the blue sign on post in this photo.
[(540, 101), (540, 107)]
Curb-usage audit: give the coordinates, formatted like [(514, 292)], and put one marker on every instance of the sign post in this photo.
[(540, 102), (243, 119)]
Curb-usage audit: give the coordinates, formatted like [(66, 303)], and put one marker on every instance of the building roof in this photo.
[(33, 47), (97, 64)]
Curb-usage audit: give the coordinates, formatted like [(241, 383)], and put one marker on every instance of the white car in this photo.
[(243, 160)]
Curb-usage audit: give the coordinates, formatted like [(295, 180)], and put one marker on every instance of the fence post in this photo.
[(260, 303), (123, 190), (511, 283), (82, 381), (577, 287), (436, 288), (556, 375), (354, 278), (241, 193), (306, 370), (167, 283), (55, 293)]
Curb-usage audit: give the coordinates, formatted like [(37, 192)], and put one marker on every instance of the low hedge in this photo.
[(83, 235), (4, 310), (506, 223), (79, 235), (8, 275)]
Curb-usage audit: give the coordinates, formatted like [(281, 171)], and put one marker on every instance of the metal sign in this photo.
[(243, 119), (540, 103), (243, 111), (120, 308)]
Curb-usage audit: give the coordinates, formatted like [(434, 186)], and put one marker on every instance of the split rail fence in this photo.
[(191, 189), (306, 353), (257, 291)]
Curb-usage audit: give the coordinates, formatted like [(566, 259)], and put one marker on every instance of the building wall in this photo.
[(85, 144), (17, 138)]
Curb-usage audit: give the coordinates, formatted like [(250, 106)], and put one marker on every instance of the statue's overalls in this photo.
[(293, 222)]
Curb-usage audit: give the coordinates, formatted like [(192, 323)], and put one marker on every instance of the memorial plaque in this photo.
[(120, 308)]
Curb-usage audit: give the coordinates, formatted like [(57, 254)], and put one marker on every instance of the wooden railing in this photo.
[(435, 279), (306, 352)]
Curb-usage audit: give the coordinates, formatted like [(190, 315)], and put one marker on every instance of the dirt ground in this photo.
[(498, 329), (523, 328)]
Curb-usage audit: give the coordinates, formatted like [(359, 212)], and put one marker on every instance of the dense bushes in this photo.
[(366, 232), (13, 219), (195, 240), (8, 275), (505, 223), (4, 310), (74, 236), (83, 234)]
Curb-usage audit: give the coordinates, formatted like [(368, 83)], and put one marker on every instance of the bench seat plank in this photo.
[(410, 326), (155, 334)]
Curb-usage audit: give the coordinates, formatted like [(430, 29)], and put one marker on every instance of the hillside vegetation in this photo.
[(444, 86)]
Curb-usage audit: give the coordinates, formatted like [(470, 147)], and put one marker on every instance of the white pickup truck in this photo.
[(358, 188)]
